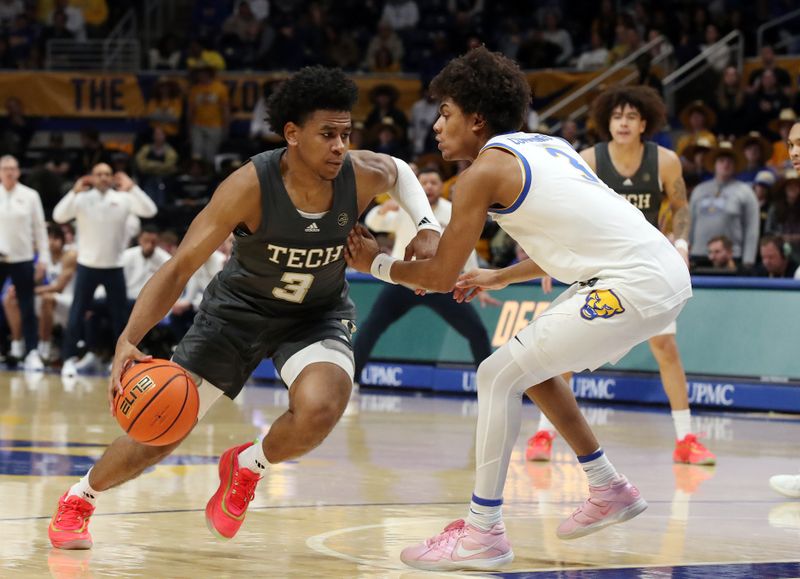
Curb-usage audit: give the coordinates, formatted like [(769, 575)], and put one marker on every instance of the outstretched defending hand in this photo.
[(124, 357), (361, 249), (470, 284)]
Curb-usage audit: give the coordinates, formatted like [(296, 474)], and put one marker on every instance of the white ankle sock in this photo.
[(484, 514), (683, 422), (44, 349), (544, 423), (598, 468), (253, 458), (17, 348), (83, 490)]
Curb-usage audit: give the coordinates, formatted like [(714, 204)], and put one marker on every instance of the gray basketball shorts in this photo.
[(226, 352)]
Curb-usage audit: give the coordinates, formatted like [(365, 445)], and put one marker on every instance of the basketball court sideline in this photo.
[(394, 471)]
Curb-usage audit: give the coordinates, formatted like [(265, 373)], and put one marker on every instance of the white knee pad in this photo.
[(331, 351)]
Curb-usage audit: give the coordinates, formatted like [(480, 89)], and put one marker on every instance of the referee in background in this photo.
[(100, 203), (22, 234)]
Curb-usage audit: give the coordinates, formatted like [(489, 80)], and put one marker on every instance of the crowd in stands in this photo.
[(730, 136)]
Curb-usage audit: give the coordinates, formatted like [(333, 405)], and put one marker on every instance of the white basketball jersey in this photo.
[(54, 271), (577, 229)]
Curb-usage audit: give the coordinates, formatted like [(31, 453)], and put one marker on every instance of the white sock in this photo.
[(484, 514), (17, 348), (253, 458), (598, 468), (83, 490), (44, 349), (544, 423), (683, 422)]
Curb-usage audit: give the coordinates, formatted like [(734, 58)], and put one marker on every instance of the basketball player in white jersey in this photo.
[(645, 174), (628, 280)]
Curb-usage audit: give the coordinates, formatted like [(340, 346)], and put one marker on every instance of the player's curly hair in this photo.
[(642, 98), (313, 88), (489, 84)]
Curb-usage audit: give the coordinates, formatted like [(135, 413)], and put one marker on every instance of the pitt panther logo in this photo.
[(142, 386), (601, 304)]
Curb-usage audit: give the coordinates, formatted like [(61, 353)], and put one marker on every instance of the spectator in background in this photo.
[(101, 204), (241, 38), (208, 114), (16, 129), (596, 56), (720, 57), (92, 151), (95, 13), (388, 139), (207, 15), (780, 151), (720, 254), (22, 42), (165, 108), (57, 30), (570, 133), (384, 100), (784, 215), (260, 130), (400, 15), (554, 34), (199, 55), (166, 55), (698, 120), (694, 162), (782, 78), (730, 104), (627, 39), (141, 261), (755, 150), (424, 113), (385, 38), (53, 299), (763, 184), (605, 22), (766, 101), (156, 162), (76, 22), (776, 259), (724, 206), (23, 236), (341, 48)]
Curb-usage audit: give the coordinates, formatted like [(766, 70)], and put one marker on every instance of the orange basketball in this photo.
[(159, 402)]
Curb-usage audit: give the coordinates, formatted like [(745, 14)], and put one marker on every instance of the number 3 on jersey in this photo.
[(575, 162), (296, 288)]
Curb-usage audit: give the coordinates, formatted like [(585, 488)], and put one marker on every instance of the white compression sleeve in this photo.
[(410, 195)]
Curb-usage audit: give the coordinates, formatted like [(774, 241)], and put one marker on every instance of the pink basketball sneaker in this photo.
[(461, 546), (540, 446), (607, 505)]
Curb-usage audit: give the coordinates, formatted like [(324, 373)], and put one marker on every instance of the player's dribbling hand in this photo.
[(124, 357), (424, 245), (361, 249), (470, 284)]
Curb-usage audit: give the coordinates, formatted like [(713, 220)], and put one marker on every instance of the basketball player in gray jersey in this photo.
[(645, 173), (283, 295)]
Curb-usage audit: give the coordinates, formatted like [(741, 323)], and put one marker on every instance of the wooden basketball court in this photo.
[(395, 471)]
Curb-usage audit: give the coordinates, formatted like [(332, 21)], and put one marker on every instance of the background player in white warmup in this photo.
[(628, 281)]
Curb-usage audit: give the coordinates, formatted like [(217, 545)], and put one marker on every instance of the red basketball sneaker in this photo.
[(540, 446), (226, 510), (689, 450), (69, 527)]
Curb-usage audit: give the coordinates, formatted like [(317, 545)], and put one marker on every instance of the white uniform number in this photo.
[(296, 288)]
